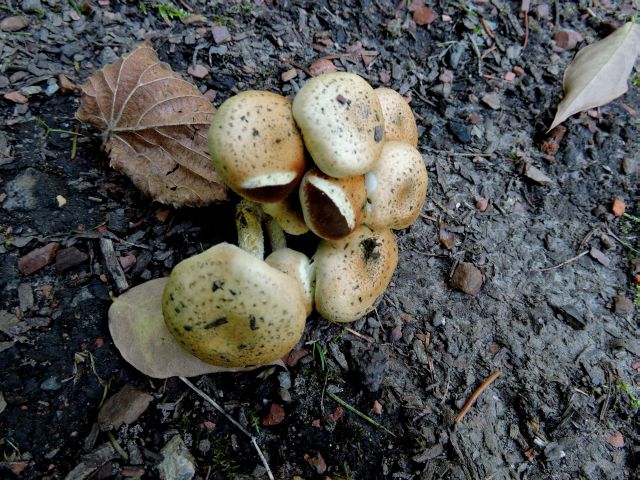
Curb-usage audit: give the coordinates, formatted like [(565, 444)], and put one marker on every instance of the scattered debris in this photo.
[(467, 406)]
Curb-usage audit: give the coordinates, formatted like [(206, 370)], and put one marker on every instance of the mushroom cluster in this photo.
[(340, 161)]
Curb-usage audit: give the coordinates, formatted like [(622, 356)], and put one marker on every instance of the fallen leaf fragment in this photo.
[(125, 407), (275, 416), (618, 207), (66, 85), (599, 72), (535, 174), (220, 34), (155, 128), (424, 15), (616, 441), (198, 71), (321, 66), (316, 462), (567, 39), (492, 100), (599, 256)]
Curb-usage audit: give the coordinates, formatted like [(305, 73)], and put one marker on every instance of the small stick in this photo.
[(476, 394), (113, 265), (215, 405), (566, 262)]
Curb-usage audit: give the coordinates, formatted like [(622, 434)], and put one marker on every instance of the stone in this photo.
[(30, 91), (198, 71), (424, 15), (16, 97), (275, 416), (289, 75), (22, 190), (316, 462), (14, 24), (492, 100), (51, 384), (178, 463), (467, 278), (220, 34), (630, 165), (31, 6), (459, 130), (567, 39), (125, 407), (25, 297), (69, 258), (38, 258), (323, 65)]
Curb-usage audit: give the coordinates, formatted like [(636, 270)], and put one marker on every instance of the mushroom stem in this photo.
[(276, 235), (249, 226)]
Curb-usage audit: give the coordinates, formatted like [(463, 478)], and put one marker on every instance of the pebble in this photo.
[(622, 304), (424, 15), (492, 100), (459, 130), (567, 39), (535, 174), (125, 407), (69, 258), (321, 66), (275, 416), (31, 6), (30, 91), (52, 88), (285, 395), (25, 297), (198, 71), (630, 166), (38, 258), (14, 24), (284, 379), (467, 278), (204, 446), (178, 463), (289, 75), (16, 97), (599, 256), (220, 34), (455, 54), (316, 462), (438, 320), (51, 384)]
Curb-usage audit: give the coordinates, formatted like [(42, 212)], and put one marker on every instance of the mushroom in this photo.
[(353, 272), (332, 207), (396, 187), (288, 214), (342, 123), (298, 266), (256, 146), (399, 123), (231, 309)]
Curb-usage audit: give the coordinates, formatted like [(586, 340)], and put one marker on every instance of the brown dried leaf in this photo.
[(155, 128), (599, 72)]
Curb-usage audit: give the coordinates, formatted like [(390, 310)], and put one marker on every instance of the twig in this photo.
[(356, 333), (74, 143), (477, 52), (215, 405), (609, 232), (461, 154), (113, 265), (116, 446), (566, 262), (476, 394)]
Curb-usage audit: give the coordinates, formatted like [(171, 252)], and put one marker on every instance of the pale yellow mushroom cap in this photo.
[(231, 309), (341, 121), (332, 207), (396, 187), (353, 272), (256, 146), (298, 266), (399, 122)]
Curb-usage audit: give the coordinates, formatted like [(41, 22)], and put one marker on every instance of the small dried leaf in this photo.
[(155, 128), (140, 334), (599, 72)]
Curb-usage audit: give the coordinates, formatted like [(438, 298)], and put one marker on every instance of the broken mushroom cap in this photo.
[(342, 123), (396, 187), (231, 309), (332, 207), (353, 272), (399, 122), (256, 146), (298, 266), (288, 214)]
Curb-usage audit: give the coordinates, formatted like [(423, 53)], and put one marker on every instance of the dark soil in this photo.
[(565, 339)]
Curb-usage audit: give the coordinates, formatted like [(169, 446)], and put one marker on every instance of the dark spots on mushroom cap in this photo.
[(368, 247), (255, 132), (378, 134), (188, 328), (252, 323), (216, 323)]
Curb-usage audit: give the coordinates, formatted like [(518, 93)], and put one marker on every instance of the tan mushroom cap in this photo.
[(353, 272), (341, 121), (298, 266), (396, 187), (256, 146), (399, 122), (332, 207), (231, 309)]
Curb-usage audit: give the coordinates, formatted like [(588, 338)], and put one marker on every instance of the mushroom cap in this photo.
[(399, 122), (231, 309), (396, 187), (256, 146), (353, 272), (298, 266), (332, 207), (342, 123)]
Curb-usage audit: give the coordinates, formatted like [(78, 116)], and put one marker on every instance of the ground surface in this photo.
[(565, 339)]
